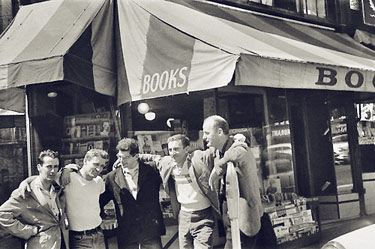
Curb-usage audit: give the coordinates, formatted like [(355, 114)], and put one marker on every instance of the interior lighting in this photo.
[(169, 122), (143, 108), (52, 94), (150, 116)]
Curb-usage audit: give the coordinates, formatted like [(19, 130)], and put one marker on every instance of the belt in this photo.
[(86, 232), (197, 211)]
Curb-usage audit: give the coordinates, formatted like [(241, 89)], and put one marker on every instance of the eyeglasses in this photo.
[(123, 157)]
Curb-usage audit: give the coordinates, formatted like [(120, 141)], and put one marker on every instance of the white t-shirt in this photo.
[(82, 202)]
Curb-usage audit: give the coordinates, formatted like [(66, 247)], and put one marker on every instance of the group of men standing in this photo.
[(71, 202)]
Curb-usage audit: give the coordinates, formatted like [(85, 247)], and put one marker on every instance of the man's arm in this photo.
[(64, 175), (9, 213), (24, 186), (150, 158), (234, 153)]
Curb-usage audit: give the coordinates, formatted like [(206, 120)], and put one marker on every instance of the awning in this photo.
[(165, 43), (364, 37), (166, 51), (60, 40)]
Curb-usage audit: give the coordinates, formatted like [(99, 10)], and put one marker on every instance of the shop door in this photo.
[(338, 112), (310, 124)]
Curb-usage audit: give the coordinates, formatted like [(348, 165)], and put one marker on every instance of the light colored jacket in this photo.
[(24, 217), (199, 172), (251, 210)]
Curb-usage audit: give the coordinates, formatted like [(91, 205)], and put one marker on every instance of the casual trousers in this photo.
[(81, 241), (246, 241), (195, 229), (154, 243)]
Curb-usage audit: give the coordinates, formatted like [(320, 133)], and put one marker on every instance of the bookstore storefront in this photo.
[(261, 115)]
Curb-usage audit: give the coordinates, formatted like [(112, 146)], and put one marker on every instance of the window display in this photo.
[(84, 132)]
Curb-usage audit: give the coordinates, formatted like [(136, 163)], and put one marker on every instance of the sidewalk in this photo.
[(330, 230)]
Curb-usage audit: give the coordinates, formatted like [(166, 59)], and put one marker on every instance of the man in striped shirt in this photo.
[(185, 179)]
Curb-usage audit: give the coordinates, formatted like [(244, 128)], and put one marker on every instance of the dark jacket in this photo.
[(138, 219)]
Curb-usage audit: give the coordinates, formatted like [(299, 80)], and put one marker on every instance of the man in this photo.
[(134, 188), (185, 179), (216, 134), (82, 200), (39, 218)]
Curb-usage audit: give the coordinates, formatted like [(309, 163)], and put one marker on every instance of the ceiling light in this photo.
[(52, 94), (143, 108), (150, 116), (169, 122)]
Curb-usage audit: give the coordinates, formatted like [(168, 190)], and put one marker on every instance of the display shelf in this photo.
[(84, 132), (12, 143), (93, 121), (85, 139), (295, 221), (71, 156)]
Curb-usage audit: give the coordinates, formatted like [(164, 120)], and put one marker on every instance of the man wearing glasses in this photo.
[(134, 187)]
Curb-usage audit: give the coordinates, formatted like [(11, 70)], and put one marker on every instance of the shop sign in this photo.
[(353, 78), (338, 129), (280, 132), (368, 12), (166, 80)]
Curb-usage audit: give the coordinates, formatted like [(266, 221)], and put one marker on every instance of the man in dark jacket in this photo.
[(134, 188)]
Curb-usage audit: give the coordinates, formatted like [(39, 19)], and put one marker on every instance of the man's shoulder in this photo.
[(166, 161)]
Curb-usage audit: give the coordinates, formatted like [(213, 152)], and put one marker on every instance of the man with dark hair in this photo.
[(185, 179), (216, 134), (39, 218), (134, 188), (82, 193)]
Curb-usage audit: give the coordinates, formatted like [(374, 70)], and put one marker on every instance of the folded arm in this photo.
[(10, 212)]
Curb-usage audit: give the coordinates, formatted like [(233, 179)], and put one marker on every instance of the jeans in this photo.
[(94, 241), (154, 243), (195, 229)]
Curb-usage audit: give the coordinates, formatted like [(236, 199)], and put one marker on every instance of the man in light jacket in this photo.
[(185, 179), (39, 218), (222, 150)]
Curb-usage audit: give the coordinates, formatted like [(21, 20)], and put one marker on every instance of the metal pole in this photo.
[(28, 134)]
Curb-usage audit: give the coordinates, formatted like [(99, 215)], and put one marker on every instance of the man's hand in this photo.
[(25, 186), (109, 224), (233, 153), (116, 164), (65, 177)]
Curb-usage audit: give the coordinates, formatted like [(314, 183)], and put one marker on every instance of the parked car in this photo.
[(341, 149), (279, 161), (358, 239)]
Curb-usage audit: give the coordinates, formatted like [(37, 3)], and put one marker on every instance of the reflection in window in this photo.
[(277, 154), (305, 7), (341, 150)]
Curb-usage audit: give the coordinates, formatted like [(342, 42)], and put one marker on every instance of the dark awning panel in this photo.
[(51, 41)]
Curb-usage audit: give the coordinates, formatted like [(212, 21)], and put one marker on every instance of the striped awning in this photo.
[(60, 40), (176, 47)]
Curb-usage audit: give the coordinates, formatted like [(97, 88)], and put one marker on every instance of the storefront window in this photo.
[(277, 155), (270, 143), (341, 150), (366, 135)]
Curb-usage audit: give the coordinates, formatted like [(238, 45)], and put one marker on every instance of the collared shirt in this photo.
[(131, 177), (50, 196)]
